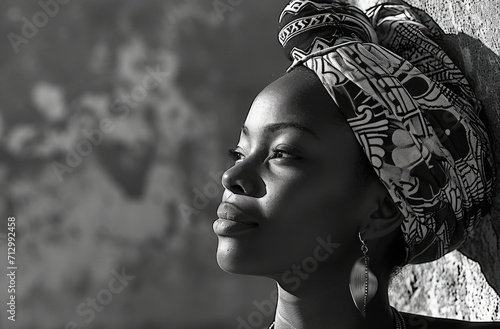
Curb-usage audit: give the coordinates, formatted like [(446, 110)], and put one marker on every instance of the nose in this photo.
[(241, 179)]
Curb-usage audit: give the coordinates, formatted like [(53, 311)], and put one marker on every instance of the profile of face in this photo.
[(294, 181)]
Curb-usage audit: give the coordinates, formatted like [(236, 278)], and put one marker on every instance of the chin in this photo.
[(232, 259), (234, 266)]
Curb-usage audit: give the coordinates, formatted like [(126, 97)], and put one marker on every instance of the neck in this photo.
[(323, 303)]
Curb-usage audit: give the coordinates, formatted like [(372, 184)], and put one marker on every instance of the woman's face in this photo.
[(293, 182)]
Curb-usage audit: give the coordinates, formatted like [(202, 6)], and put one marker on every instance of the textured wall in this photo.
[(472, 41)]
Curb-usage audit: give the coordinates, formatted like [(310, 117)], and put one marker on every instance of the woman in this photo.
[(367, 155)]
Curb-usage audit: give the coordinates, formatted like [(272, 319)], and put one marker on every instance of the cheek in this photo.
[(315, 198), (302, 211)]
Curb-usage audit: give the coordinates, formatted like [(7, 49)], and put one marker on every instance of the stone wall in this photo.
[(457, 290)]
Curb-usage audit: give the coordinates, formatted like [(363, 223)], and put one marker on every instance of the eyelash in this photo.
[(235, 155)]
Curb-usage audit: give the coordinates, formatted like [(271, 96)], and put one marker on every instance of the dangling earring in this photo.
[(363, 283)]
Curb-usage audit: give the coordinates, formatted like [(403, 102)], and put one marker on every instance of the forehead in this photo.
[(296, 97)]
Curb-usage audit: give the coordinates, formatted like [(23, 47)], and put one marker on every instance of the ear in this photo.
[(384, 220)]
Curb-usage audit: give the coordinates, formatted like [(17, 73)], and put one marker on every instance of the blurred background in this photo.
[(115, 117)]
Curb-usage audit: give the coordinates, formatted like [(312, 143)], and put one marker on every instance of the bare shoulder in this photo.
[(414, 321)]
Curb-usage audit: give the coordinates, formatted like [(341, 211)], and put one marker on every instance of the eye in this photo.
[(235, 155), (282, 152)]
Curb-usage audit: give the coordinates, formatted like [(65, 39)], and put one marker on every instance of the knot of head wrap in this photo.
[(410, 108)]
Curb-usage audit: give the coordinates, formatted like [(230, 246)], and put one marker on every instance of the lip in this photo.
[(232, 220), (227, 227), (232, 212)]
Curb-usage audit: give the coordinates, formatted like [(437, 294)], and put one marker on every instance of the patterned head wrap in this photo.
[(410, 108)]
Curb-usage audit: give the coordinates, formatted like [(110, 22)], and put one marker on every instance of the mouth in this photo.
[(232, 220)]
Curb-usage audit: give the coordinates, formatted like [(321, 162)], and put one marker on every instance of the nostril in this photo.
[(237, 189)]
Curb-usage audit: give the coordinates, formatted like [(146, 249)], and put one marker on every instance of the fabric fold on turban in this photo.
[(410, 108)]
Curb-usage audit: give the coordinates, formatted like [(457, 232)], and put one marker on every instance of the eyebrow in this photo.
[(272, 128)]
